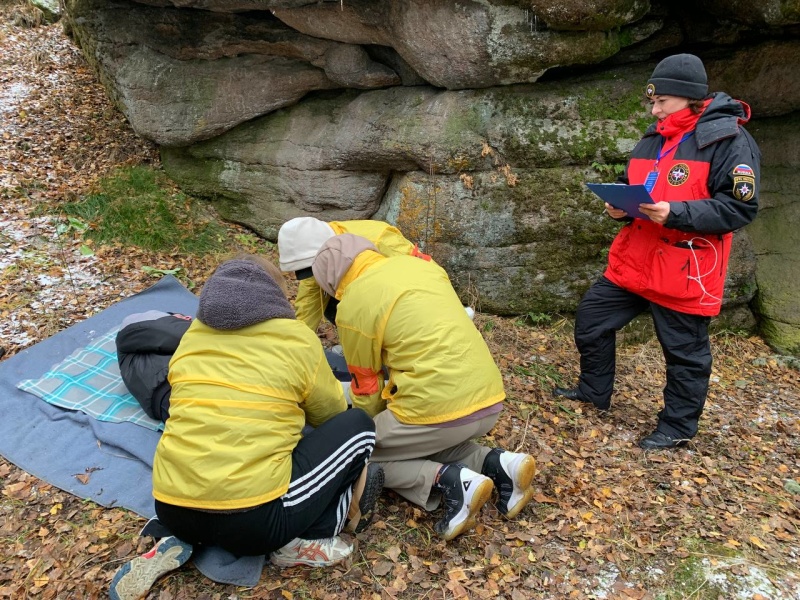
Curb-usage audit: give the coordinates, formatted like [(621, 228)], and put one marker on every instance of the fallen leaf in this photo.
[(757, 542)]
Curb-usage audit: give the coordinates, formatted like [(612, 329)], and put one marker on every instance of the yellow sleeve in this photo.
[(325, 396), (309, 306), (363, 355), (391, 242)]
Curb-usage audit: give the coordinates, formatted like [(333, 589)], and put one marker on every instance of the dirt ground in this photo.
[(716, 519)]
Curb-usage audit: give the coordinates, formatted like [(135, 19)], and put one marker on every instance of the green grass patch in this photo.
[(139, 206), (545, 375), (707, 573)]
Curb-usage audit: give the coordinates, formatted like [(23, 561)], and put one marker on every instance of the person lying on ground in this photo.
[(145, 344)]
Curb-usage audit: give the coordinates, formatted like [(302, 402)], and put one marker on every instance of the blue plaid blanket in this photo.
[(89, 380)]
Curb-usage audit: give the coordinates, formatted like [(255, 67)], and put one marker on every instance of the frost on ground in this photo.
[(754, 582), (44, 276)]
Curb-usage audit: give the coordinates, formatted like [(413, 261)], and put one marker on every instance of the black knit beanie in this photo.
[(680, 75)]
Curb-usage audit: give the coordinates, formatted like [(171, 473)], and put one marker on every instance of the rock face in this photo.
[(473, 125), (50, 9), (451, 168), (776, 235)]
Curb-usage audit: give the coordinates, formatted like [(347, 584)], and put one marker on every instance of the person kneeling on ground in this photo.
[(300, 239), (443, 387), (232, 468)]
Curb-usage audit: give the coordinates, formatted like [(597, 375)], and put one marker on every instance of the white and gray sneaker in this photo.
[(464, 492), (312, 553), (512, 474), (135, 578)]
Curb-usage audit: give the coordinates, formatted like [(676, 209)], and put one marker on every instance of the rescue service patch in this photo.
[(650, 90), (744, 188), (745, 170), (678, 174)]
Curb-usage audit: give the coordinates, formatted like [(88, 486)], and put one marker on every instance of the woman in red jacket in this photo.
[(702, 170)]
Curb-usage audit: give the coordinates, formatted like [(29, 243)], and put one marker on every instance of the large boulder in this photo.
[(472, 125), (581, 15), (181, 76), (766, 75), (490, 182), (50, 9), (411, 129), (472, 44), (776, 235), (755, 12)]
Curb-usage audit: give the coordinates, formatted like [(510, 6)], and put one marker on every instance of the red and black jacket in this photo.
[(709, 172)]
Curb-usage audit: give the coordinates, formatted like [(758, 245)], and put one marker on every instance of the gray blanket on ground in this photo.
[(114, 459)]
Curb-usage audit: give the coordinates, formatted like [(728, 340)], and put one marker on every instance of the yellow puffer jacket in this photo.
[(402, 312), (240, 399), (311, 300)]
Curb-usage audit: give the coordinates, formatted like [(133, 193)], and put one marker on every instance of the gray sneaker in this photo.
[(134, 579), (312, 553)]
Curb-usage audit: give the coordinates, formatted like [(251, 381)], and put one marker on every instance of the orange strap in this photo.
[(416, 252), (365, 381)]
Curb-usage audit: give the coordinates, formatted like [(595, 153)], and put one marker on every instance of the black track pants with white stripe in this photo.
[(325, 465)]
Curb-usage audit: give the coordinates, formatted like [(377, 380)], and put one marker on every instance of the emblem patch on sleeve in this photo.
[(744, 188), (678, 174)]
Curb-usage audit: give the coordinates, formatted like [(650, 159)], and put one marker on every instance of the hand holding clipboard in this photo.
[(623, 197)]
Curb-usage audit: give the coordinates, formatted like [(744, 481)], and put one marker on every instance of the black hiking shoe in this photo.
[(574, 394), (659, 441), (464, 492), (512, 474), (369, 497)]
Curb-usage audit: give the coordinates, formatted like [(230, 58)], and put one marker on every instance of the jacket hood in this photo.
[(240, 294), (336, 257)]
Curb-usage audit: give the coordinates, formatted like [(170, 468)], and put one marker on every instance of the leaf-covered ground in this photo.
[(718, 519)]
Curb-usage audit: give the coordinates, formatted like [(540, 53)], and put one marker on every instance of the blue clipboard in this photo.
[(625, 197)]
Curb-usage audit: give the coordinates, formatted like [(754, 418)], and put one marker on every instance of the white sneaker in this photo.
[(512, 474), (464, 492), (135, 578), (312, 553)]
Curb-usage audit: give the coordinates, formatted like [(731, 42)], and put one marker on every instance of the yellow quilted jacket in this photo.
[(240, 399), (403, 313), (311, 300)]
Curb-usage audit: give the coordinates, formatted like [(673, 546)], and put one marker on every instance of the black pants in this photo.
[(605, 309), (325, 465)]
